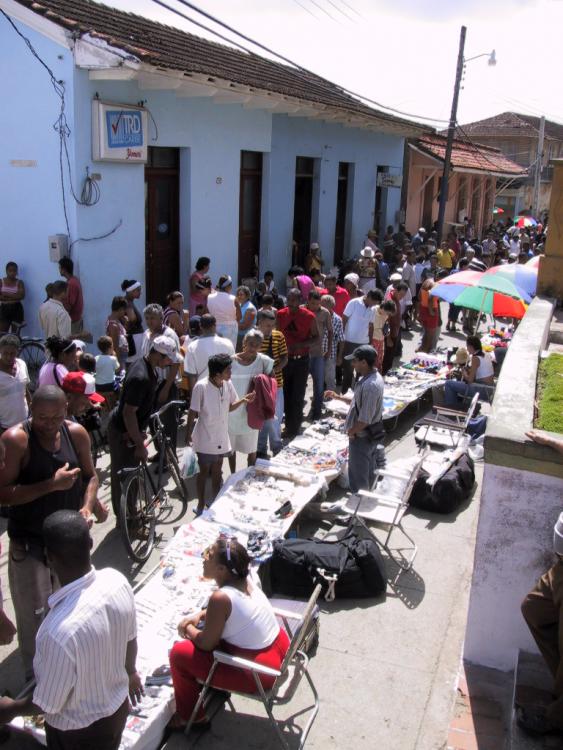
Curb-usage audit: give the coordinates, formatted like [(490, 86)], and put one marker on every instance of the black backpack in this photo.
[(449, 492), (297, 565)]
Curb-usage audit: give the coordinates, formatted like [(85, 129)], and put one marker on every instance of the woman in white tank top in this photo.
[(479, 371), (238, 619)]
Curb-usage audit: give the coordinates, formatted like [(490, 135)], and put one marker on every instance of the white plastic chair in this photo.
[(386, 505), (288, 678), (447, 427)]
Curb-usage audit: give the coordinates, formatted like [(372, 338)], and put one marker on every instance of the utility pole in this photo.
[(539, 167), (450, 138)]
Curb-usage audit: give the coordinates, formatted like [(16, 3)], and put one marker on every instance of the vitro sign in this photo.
[(119, 132)]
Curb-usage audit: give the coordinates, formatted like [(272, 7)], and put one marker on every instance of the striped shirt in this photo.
[(81, 646), (276, 348), (337, 335)]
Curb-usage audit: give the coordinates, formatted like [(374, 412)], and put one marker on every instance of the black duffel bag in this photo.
[(449, 492), (354, 564)]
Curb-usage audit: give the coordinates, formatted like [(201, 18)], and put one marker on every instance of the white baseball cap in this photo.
[(165, 345), (353, 278)]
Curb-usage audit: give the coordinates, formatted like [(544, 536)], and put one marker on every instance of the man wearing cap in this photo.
[(543, 611), (364, 422), (358, 329), (313, 260), (48, 467), (369, 269), (352, 284), (130, 418), (419, 238)]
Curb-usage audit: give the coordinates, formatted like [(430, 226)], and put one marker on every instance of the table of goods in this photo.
[(257, 505)]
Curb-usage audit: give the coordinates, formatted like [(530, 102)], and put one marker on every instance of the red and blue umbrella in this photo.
[(525, 221)]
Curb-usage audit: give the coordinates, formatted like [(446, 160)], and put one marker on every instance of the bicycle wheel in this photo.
[(174, 470), (33, 354), (137, 517)]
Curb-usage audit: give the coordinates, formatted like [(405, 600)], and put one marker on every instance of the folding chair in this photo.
[(447, 427), (288, 678), (386, 505)]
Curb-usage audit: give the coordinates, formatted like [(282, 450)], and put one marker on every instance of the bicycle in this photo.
[(144, 498), (32, 351)]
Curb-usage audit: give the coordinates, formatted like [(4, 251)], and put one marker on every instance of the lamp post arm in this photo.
[(450, 138)]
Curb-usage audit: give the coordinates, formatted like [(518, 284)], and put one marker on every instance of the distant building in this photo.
[(516, 136), (197, 149), (475, 171)]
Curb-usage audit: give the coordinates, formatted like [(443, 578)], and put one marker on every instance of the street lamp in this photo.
[(461, 62)]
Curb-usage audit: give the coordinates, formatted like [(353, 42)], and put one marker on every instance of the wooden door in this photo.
[(250, 208), (341, 204), (303, 207), (428, 204), (162, 261)]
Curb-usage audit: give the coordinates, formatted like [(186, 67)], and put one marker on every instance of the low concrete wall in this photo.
[(521, 497)]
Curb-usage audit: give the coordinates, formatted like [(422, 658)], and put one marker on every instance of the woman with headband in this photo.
[(134, 325), (239, 618), (63, 359), (197, 285), (225, 308)]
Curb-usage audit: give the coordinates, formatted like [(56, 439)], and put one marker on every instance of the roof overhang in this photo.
[(467, 170)]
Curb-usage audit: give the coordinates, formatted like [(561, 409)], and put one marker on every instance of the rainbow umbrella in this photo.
[(525, 221), (498, 210), (493, 294), (533, 262), (524, 278)]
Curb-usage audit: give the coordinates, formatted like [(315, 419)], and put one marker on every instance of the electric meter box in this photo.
[(58, 247)]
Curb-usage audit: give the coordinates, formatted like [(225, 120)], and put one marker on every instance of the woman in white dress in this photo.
[(246, 364), (225, 308)]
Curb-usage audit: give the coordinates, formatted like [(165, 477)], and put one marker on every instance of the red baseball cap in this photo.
[(82, 383)]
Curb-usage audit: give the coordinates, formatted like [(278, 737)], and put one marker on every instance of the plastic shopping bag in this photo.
[(189, 466)]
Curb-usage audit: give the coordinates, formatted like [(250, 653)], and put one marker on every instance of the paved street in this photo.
[(385, 668)]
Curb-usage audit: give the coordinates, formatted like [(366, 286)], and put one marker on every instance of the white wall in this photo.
[(514, 547)]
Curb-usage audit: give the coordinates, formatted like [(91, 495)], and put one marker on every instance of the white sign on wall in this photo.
[(119, 132), (386, 180)]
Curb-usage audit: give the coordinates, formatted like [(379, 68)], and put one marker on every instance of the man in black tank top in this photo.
[(48, 467)]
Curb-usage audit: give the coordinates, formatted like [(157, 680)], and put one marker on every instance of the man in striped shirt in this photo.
[(86, 647), (275, 347)]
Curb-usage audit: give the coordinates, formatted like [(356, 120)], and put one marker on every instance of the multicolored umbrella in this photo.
[(524, 278), (498, 210), (525, 221), (491, 294), (533, 262), (489, 301)]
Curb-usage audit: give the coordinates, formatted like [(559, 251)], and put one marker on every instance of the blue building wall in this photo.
[(31, 206), (210, 137)]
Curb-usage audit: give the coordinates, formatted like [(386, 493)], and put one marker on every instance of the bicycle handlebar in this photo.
[(167, 406)]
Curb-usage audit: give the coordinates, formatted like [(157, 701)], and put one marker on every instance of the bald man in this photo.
[(48, 467)]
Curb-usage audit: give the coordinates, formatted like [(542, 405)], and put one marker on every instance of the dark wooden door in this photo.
[(162, 261), (250, 208), (341, 204), (428, 204), (303, 207)]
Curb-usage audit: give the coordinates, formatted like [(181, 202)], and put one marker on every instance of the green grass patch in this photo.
[(550, 394)]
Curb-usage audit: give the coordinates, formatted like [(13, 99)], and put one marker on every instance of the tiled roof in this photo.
[(172, 49), (512, 124), (468, 155)]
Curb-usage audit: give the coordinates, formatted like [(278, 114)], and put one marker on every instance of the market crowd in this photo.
[(240, 358)]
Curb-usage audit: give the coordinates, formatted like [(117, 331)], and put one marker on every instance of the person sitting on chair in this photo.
[(239, 619), (543, 611), (479, 371)]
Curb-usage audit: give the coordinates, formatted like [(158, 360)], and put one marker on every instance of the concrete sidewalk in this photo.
[(385, 669)]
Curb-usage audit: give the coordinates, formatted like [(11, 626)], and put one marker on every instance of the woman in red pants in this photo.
[(239, 619)]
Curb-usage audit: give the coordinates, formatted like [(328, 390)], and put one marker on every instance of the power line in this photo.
[(320, 7), (352, 9), (310, 12), (319, 79), (334, 5)]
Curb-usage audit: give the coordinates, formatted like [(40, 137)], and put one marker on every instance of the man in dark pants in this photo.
[(364, 423), (130, 418), (299, 326), (543, 611), (86, 647)]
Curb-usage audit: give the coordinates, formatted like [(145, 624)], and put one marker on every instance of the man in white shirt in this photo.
[(86, 647), (199, 351), (358, 329), (53, 318)]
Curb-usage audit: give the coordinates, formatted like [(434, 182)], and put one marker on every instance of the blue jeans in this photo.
[(317, 372), (455, 388), (272, 428), (362, 463)]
